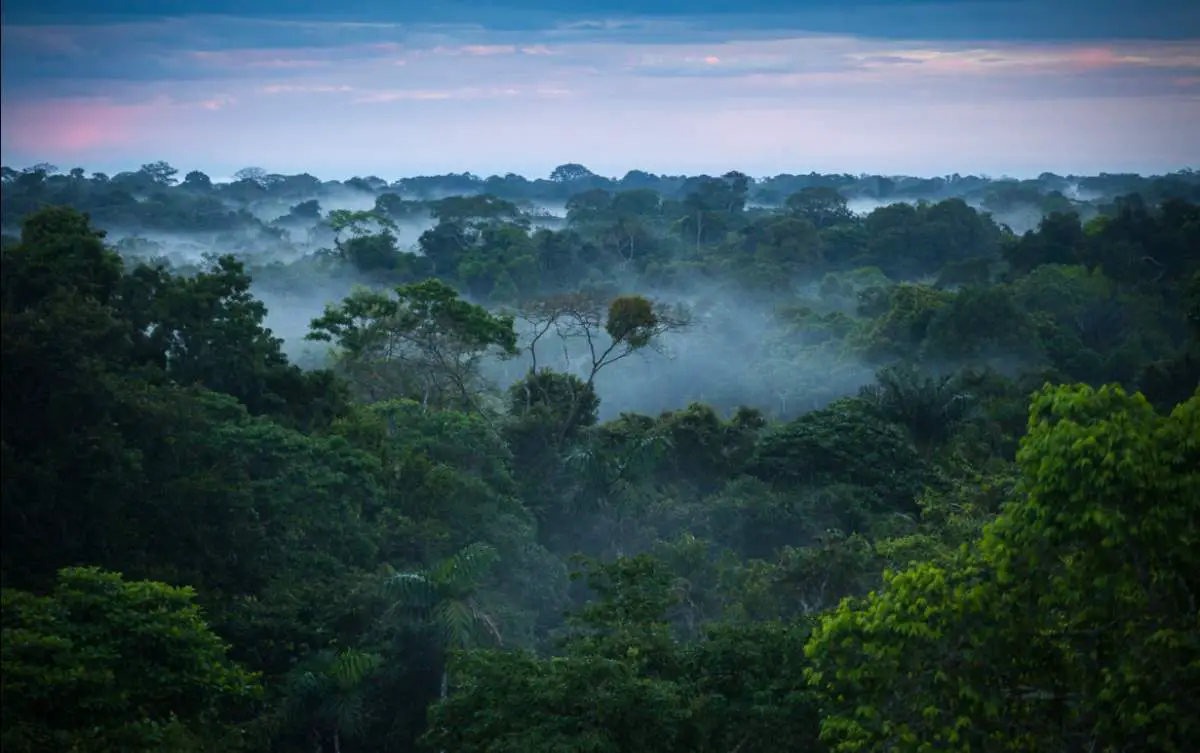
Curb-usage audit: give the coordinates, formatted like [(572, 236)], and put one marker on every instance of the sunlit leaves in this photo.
[(1071, 625), (107, 664)]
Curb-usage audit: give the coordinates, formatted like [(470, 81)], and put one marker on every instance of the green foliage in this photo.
[(928, 407), (631, 319), (844, 443), (445, 596), (59, 251), (978, 322), (904, 315), (563, 402), (622, 683), (104, 664), (363, 535), (327, 695), (1069, 626), (425, 343)]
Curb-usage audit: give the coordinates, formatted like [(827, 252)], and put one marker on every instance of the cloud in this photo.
[(305, 89), (70, 127), (288, 90), (466, 93), (258, 59), (217, 103), (1038, 58)]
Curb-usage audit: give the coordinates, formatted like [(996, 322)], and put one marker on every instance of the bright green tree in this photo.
[(104, 664), (1071, 626)]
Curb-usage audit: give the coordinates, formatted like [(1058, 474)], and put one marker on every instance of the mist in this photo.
[(738, 349)]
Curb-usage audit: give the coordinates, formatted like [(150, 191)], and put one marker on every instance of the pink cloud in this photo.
[(465, 93), (78, 126), (1015, 59), (70, 127), (489, 49), (398, 96), (217, 103)]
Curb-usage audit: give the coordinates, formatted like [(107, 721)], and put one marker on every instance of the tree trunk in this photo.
[(445, 687), (337, 743)]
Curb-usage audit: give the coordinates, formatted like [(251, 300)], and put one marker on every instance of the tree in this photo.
[(327, 694), (1059, 239), (626, 325), (620, 220), (711, 204), (197, 181), (396, 207), (359, 222), (611, 661), (781, 247), (843, 443), (548, 398), (928, 407), (473, 211), (1070, 626), (367, 250), (160, 172), (105, 664), (425, 342), (207, 329), (252, 174), (446, 596), (622, 683), (823, 206), (570, 173), (309, 209)]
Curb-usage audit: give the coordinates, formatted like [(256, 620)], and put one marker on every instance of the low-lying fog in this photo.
[(734, 352)]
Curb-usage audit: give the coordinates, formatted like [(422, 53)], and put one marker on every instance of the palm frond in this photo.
[(465, 568), (928, 406)]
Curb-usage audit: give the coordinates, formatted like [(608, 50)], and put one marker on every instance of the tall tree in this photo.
[(608, 332), (107, 664), (327, 695), (447, 597), (1070, 626), (423, 343)]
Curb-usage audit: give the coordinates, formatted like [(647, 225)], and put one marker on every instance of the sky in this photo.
[(389, 88)]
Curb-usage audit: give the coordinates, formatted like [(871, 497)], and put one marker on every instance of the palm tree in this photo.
[(611, 473), (929, 407), (446, 597), (328, 692)]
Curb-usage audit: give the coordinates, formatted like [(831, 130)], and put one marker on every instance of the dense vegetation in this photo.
[(951, 501)]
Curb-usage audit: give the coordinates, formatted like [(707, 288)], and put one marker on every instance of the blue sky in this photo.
[(391, 88)]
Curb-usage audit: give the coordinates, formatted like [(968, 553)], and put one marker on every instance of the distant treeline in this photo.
[(252, 183)]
